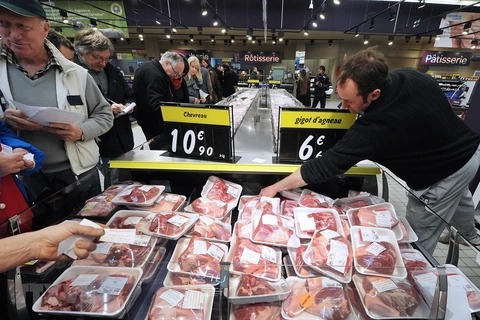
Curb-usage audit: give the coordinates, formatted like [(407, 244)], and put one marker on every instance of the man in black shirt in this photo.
[(409, 127), (322, 83)]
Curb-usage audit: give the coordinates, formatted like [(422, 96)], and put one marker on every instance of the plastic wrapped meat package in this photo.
[(102, 204), (261, 261), (139, 195), (195, 256), (169, 225), (309, 220), (129, 219), (246, 289), (173, 279), (390, 298), (206, 207), (376, 216), (195, 302), (376, 252), (243, 229), (353, 202), (426, 281), (288, 206), (301, 269), (263, 311), (292, 194), (222, 190), (312, 199), (346, 227), (211, 229), (319, 298), (330, 254), (273, 230), (409, 235), (356, 304), (166, 202), (85, 290), (258, 204), (414, 260)]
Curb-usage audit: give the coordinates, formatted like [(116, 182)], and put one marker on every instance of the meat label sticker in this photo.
[(270, 220), (337, 256), (145, 188), (113, 285), (269, 254), (215, 252), (369, 235), (306, 300), (287, 223), (329, 234), (83, 280), (375, 249), (151, 216), (103, 248), (307, 224), (458, 281), (173, 297), (250, 256), (142, 240), (232, 191), (329, 283), (206, 220), (132, 220), (193, 300), (427, 280), (119, 236), (89, 205), (384, 285), (171, 198), (178, 220), (101, 197), (252, 203), (219, 203), (383, 218), (199, 247), (246, 230)]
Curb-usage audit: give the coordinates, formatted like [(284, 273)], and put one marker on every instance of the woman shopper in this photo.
[(303, 89), (194, 81)]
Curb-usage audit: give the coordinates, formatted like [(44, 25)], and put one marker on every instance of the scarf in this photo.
[(177, 83)]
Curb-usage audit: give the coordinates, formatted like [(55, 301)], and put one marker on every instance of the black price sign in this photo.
[(305, 134), (199, 132), (253, 83)]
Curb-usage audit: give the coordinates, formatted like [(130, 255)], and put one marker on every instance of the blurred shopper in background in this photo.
[(322, 83), (60, 42), (303, 89)]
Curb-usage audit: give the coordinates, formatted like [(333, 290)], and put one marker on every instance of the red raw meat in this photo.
[(265, 207), (102, 204), (119, 223), (220, 191), (329, 299), (121, 255), (300, 265), (406, 235), (160, 224), (346, 229), (383, 263), (183, 280), (273, 229), (85, 298), (311, 201), (263, 268), (288, 206), (356, 303), (201, 264), (245, 200), (139, 195), (253, 286), (338, 209), (323, 220), (368, 218), (258, 311), (162, 309), (208, 208), (167, 202), (414, 261), (401, 302), (215, 229)]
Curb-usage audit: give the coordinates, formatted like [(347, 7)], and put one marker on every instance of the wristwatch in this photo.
[(82, 138)]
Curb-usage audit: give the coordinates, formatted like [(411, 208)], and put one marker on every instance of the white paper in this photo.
[(132, 220), (250, 256), (329, 283), (215, 252), (375, 249), (246, 230), (337, 256), (113, 285), (369, 235), (119, 236), (203, 95), (193, 300), (270, 220), (383, 218), (231, 190), (384, 285), (142, 240), (28, 157), (83, 280), (329, 234), (269, 254), (307, 224), (46, 115), (258, 160), (199, 247), (206, 220), (67, 245), (6, 149), (171, 198), (128, 108), (173, 297), (178, 220), (103, 248)]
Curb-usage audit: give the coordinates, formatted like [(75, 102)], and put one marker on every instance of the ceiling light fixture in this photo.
[(390, 40), (356, 33), (474, 44), (310, 6), (466, 26), (191, 38), (93, 24), (64, 16), (322, 12), (224, 29), (337, 2), (174, 30), (393, 14), (204, 11), (366, 38), (280, 36), (215, 22), (407, 39), (421, 4), (232, 39), (212, 38), (314, 23), (157, 21), (372, 24), (417, 39), (305, 31)]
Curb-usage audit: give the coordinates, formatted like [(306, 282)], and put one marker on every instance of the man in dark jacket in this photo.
[(93, 50), (230, 80), (322, 83)]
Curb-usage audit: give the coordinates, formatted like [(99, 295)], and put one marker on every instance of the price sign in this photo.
[(274, 84), (305, 134), (199, 132), (253, 83)]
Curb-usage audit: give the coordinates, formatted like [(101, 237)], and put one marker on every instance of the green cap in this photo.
[(27, 8)]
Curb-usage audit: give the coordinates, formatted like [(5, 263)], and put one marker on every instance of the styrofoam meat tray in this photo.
[(187, 224), (282, 291), (170, 197), (292, 253), (119, 197), (287, 222), (412, 236), (168, 281), (207, 220), (131, 213), (237, 189), (300, 215)]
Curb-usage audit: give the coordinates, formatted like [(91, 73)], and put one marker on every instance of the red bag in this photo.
[(15, 215)]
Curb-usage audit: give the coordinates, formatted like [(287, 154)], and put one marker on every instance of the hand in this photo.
[(117, 108), (44, 243), (269, 191), (316, 83), (66, 132), (196, 101), (16, 119), (203, 100), (11, 163), (131, 110), (27, 164)]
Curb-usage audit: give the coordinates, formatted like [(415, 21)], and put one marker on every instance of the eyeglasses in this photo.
[(100, 59), (176, 75)]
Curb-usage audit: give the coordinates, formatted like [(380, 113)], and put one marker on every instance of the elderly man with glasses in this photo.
[(156, 82)]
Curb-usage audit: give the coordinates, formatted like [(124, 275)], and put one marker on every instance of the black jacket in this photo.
[(230, 80), (152, 87), (323, 84)]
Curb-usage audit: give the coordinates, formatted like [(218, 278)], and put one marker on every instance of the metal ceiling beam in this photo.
[(217, 15), (374, 16)]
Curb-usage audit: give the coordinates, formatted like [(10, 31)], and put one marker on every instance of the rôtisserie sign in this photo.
[(446, 58), (257, 57)]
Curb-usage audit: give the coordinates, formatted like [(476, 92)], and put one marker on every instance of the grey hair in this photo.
[(172, 57), (90, 40)]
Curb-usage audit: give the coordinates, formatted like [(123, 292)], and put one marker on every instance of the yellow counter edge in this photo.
[(225, 167)]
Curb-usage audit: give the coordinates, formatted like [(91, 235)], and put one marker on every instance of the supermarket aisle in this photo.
[(254, 136)]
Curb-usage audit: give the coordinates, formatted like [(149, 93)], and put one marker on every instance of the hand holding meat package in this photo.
[(198, 257), (385, 298), (166, 202), (211, 229), (330, 254), (182, 303), (89, 291), (376, 216), (250, 204), (301, 269), (315, 299), (273, 229), (263, 311), (169, 225), (144, 195), (308, 220), (102, 204)]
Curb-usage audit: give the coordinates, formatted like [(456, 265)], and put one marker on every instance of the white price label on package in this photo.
[(215, 252), (269, 254), (150, 217), (231, 190), (193, 300), (426, 280), (132, 220), (207, 220), (145, 188), (250, 256), (171, 198), (369, 235), (337, 256), (173, 297), (375, 249), (287, 223), (119, 236), (329, 234), (384, 285), (103, 248), (457, 281), (113, 285), (178, 220), (329, 283), (307, 224), (383, 219), (199, 247), (270, 220), (142, 240), (246, 230), (83, 280)]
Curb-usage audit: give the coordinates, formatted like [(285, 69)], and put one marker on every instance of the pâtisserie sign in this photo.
[(446, 58), (257, 57)]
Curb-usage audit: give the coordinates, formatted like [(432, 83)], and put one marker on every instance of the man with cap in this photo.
[(36, 74)]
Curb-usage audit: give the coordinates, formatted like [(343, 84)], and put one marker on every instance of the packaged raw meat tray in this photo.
[(414, 260), (247, 289), (263, 311), (287, 206), (309, 220), (129, 219), (94, 291), (139, 195), (152, 265), (169, 225), (195, 256), (330, 254), (166, 202), (376, 252), (177, 279), (194, 302), (386, 298), (206, 207), (301, 269), (315, 299), (258, 204), (409, 235), (356, 305), (312, 199), (292, 194), (288, 265), (426, 281), (211, 229), (273, 230), (346, 227), (376, 216), (259, 260), (242, 229), (222, 190), (353, 202)]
